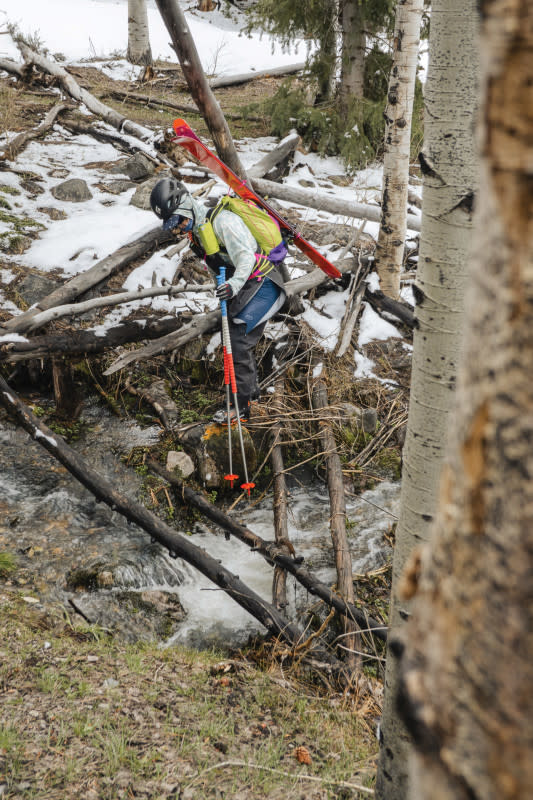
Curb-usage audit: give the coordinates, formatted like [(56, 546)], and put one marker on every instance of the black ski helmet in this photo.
[(166, 197)]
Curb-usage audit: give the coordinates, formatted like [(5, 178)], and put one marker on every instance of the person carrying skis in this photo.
[(254, 286)]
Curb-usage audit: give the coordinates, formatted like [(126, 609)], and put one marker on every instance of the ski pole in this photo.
[(228, 355), (231, 477)]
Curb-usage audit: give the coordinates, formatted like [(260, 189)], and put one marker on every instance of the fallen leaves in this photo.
[(302, 755)]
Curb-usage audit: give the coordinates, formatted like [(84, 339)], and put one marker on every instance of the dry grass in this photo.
[(86, 716)]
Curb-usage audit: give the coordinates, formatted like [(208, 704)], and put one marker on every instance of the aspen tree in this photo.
[(398, 116), (139, 50), (450, 174)]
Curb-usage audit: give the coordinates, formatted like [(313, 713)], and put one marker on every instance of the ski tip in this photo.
[(182, 128)]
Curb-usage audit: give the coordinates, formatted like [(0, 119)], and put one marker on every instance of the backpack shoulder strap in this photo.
[(214, 212)]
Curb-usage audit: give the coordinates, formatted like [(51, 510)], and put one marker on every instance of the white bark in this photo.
[(449, 164), (324, 202), (139, 51), (83, 96), (116, 299), (245, 77), (398, 116)]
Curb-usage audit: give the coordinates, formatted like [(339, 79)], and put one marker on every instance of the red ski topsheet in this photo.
[(186, 137)]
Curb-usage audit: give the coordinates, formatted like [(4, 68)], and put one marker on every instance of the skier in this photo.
[(254, 286)]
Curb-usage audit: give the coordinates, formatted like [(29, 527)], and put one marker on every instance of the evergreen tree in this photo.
[(339, 108)]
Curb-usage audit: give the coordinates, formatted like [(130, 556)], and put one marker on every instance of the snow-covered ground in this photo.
[(82, 29)]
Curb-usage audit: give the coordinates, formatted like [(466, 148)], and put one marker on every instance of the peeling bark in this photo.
[(466, 683)]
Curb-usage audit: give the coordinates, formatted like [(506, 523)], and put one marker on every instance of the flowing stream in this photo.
[(56, 528)]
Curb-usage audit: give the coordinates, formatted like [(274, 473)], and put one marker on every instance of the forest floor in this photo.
[(86, 715)]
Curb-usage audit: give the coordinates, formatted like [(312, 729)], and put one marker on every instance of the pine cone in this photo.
[(302, 755)]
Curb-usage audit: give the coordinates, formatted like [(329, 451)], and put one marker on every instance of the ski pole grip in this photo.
[(221, 278)]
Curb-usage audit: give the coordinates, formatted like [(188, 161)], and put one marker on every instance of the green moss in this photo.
[(389, 461), (8, 189), (7, 564)]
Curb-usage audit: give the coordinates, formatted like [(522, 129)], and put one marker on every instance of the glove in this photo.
[(224, 291)]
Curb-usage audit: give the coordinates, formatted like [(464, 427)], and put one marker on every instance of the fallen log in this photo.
[(353, 307), (115, 299), (178, 546), (94, 105), (101, 271), (17, 144), (13, 67), (287, 146), (201, 324), (246, 77), (273, 554), (14, 347), (150, 100), (123, 143), (386, 305), (207, 322), (323, 202)]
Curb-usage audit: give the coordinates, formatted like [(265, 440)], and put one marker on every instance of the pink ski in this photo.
[(186, 137)]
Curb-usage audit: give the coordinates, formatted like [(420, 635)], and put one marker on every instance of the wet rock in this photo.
[(141, 198), (53, 213), (191, 437), (133, 616), (178, 460), (369, 420), (213, 458), (74, 190), (138, 167), (355, 417), (210, 475), (34, 287), (159, 392), (152, 568)]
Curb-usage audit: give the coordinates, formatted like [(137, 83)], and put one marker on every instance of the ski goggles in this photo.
[(175, 221)]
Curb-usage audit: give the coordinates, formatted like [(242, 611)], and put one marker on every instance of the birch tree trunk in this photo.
[(353, 53), (398, 116), (449, 166), (467, 671), (139, 50), (190, 63)]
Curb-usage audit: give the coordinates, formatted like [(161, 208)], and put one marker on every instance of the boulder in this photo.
[(150, 615), (178, 460), (74, 190), (137, 168), (34, 287), (141, 198)]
